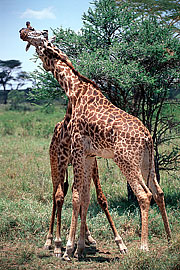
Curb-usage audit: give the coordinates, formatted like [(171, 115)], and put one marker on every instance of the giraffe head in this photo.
[(39, 39), (33, 37)]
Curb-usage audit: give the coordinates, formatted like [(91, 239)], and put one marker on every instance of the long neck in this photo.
[(67, 79), (61, 67), (73, 83)]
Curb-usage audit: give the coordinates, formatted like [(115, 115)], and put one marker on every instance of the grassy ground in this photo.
[(25, 205)]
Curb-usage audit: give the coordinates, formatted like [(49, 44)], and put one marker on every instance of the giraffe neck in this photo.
[(62, 69)]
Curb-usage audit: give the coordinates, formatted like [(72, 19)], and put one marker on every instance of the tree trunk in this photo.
[(5, 97)]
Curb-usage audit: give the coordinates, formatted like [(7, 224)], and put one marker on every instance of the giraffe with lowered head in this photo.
[(98, 128)]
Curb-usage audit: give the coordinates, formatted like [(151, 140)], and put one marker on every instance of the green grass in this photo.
[(26, 201)]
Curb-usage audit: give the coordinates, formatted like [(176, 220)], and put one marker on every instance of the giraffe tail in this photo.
[(149, 147), (66, 184)]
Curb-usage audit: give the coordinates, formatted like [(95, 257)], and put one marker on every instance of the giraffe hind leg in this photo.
[(59, 197), (49, 239), (53, 154), (104, 206), (66, 184), (156, 190), (144, 196), (133, 174), (158, 196)]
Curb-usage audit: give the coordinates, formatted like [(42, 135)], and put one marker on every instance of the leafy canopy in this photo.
[(167, 11)]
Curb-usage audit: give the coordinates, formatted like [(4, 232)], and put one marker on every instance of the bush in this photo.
[(16, 98)]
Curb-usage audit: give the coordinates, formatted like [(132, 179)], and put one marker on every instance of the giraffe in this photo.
[(98, 128), (60, 157)]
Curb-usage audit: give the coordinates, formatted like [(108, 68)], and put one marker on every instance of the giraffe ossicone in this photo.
[(98, 128)]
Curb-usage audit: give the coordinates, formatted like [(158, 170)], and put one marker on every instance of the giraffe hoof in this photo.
[(123, 251), (79, 255), (122, 247), (58, 255), (48, 244), (66, 258), (90, 242), (57, 252), (46, 247), (144, 248)]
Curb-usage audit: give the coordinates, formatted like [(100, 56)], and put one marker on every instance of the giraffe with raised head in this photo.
[(98, 128), (60, 157)]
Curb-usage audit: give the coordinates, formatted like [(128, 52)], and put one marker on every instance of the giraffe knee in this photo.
[(76, 199), (159, 197), (144, 200)]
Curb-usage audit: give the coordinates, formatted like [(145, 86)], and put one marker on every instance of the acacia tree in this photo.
[(135, 61), (167, 11), (45, 87), (7, 78)]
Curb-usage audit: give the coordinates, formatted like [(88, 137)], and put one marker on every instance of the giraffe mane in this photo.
[(66, 60)]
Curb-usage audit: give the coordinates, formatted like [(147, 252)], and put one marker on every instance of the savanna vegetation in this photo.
[(134, 57), (26, 201)]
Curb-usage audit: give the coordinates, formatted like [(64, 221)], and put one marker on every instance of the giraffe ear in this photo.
[(28, 46), (52, 39)]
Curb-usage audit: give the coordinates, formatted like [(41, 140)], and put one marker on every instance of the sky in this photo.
[(43, 14)]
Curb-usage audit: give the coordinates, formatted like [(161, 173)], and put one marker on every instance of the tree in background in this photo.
[(135, 61), (7, 69), (168, 11), (45, 88)]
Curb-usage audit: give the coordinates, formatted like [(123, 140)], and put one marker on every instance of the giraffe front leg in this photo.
[(71, 239), (59, 202), (49, 239), (76, 201), (85, 199), (144, 196)]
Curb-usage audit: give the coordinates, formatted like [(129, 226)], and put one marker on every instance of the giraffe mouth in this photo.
[(33, 36), (24, 36)]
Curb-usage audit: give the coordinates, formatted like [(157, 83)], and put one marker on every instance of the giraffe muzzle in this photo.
[(24, 33)]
